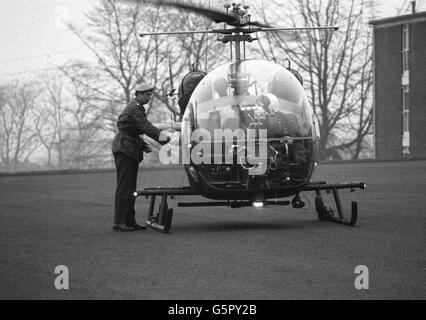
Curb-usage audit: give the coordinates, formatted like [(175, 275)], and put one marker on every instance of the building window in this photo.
[(405, 37), (405, 133), (405, 46), (404, 60), (405, 109), (406, 121), (405, 98), (405, 81)]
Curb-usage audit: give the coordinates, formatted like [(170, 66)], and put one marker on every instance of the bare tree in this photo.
[(17, 138), (123, 58), (406, 6), (88, 139), (337, 70), (182, 51), (45, 133), (50, 123)]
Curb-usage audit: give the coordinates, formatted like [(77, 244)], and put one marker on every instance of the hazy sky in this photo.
[(33, 38)]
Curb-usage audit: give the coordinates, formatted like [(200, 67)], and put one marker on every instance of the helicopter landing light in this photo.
[(258, 204), (258, 201)]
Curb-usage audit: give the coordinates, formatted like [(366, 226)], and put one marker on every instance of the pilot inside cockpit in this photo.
[(269, 102), (220, 87), (279, 123)]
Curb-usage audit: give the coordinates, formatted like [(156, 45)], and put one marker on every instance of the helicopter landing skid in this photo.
[(327, 214), (162, 220)]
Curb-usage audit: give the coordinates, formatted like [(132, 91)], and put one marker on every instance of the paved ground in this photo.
[(213, 253)]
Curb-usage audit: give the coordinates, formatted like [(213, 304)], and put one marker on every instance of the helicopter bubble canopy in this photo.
[(250, 94)]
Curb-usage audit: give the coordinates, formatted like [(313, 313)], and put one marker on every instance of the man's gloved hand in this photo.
[(165, 136), (147, 148)]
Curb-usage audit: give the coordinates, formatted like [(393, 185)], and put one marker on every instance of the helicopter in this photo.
[(247, 134)]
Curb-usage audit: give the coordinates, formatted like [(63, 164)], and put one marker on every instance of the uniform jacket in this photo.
[(132, 123)]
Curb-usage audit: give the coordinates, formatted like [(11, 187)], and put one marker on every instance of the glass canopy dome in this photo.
[(239, 94)]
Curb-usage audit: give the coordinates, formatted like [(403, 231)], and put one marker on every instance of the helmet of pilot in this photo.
[(285, 86), (220, 85)]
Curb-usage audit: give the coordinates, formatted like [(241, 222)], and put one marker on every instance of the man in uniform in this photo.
[(128, 148)]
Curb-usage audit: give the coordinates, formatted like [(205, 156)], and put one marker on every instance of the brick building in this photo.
[(400, 86)]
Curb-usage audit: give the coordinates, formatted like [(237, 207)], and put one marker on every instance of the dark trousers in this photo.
[(127, 173)]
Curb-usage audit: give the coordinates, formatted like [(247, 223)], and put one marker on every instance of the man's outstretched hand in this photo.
[(165, 136)]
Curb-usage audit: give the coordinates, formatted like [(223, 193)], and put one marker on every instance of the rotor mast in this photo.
[(238, 35)]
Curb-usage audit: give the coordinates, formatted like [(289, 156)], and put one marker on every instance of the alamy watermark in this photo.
[(248, 147), (62, 280), (362, 280)]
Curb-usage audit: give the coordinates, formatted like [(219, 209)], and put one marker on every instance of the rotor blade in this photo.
[(172, 87), (259, 24), (214, 15), (173, 32), (334, 28)]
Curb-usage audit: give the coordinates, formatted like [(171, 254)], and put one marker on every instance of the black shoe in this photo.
[(123, 227), (139, 227)]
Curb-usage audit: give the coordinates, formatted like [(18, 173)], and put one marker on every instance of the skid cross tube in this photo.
[(184, 191), (231, 204), (322, 185)]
